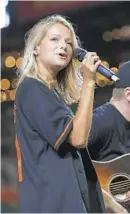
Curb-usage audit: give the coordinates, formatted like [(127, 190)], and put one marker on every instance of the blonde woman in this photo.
[(48, 136)]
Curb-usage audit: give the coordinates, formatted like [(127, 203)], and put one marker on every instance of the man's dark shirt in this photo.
[(110, 134), (51, 172)]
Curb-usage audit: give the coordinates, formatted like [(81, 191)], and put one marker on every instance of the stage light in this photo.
[(3, 96), (100, 80), (109, 82), (105, 63), (10, 62), (114, 69), (12, 94), (18, 61), (100, 83), (115, 33), (5, 84)]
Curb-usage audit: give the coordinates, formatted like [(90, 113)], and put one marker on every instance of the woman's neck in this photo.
[(46, 73)]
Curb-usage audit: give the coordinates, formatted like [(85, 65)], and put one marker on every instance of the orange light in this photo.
[(109, 82), (115, 34), (100, 83), (114, 69), (18, 61), (100, 76), (5, 84), (12, 94), (10, 62), (105, 63), (3, 96)]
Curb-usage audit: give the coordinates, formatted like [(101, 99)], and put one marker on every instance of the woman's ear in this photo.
[(36, 50)]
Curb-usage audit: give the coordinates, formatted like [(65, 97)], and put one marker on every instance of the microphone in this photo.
[(80, 53)]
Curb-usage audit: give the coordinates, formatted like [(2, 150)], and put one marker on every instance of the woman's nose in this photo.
[(63, 45)]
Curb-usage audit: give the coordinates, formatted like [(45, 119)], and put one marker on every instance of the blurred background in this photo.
[(103, 26)]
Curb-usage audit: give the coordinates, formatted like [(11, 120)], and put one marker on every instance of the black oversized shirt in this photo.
[(51, 172), (110, 134)]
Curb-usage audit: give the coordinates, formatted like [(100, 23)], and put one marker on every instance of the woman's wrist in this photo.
[(88, 76), (89, 82)]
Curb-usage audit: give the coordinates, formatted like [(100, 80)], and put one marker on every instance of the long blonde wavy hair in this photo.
[(69, 80)]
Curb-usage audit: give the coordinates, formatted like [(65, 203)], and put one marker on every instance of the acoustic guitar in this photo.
[(114, 178)]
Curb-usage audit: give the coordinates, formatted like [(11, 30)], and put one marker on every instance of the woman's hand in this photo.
[(79, 134), (90, 65)]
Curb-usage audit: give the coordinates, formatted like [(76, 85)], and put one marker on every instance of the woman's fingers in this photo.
[(94, 59), (97, 64), (89, 56), (91, 61)]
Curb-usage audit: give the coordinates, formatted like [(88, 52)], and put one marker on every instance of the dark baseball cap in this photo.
[(124, 75)]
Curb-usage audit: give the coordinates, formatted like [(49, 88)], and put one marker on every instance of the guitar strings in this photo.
[(122, 185), (128, 185), (119, 183), (121, 188)]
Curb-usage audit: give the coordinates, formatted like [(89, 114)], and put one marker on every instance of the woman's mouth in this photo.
[(63, 56)]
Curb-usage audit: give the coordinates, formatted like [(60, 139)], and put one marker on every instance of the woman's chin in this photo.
[(60, 66)]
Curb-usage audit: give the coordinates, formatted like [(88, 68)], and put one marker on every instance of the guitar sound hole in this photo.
[(120, 187)]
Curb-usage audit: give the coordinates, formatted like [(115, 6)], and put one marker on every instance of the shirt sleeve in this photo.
[(94, 134), (97, 136), (46, 114)]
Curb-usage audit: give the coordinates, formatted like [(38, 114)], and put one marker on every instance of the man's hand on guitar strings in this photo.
[(112, 204)]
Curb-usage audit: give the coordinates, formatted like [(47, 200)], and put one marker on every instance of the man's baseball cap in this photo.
[(124, 75)]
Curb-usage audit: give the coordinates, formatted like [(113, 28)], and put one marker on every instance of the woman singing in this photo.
[(52, 178)]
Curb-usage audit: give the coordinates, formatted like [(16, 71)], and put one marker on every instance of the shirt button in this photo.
[(82, 194)]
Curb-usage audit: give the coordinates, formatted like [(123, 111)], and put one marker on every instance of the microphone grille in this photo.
[(79, 54)]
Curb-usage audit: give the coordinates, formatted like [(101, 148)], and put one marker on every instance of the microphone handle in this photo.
[(102, 69)]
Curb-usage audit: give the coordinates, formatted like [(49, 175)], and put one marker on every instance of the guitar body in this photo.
[(114, 178)]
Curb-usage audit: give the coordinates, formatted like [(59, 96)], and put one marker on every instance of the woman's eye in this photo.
[(70, 43), (54, 39)]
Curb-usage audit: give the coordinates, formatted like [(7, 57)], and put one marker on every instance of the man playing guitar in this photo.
[(110, 133)]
